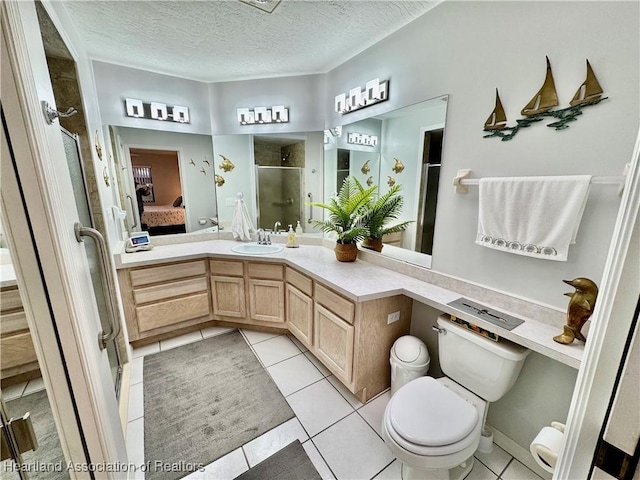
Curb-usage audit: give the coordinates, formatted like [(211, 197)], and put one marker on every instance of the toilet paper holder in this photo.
[(546, 447)]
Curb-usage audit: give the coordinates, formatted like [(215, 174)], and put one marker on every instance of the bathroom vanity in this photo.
[(344, 313)]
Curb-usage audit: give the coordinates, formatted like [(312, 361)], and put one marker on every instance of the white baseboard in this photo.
[(518, 452)]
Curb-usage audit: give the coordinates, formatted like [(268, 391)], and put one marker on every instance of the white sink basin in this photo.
[(256, 249)]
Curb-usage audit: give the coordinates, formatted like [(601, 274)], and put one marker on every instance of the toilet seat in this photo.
[(427, 418)]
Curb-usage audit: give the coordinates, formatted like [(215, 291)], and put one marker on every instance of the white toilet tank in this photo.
[(485, 367)]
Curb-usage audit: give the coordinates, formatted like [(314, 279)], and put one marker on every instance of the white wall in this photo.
[(115, 83), (238, 149), (313, 178), (302, 95), (453, 50), (198, 189)]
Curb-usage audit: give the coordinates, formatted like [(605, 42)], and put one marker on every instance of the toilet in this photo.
[(434, 426)]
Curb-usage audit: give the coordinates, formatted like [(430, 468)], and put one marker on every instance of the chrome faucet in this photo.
[(276, 228), (261, 237)]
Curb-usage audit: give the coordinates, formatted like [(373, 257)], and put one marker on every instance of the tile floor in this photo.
[(340, 434)]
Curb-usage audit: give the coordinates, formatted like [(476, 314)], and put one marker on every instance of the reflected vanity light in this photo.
[(263, 115), (156, 111), (362, 139), (374, 92)]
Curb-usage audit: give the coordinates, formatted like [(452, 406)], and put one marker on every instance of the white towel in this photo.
[(534, 216), (241, 225)]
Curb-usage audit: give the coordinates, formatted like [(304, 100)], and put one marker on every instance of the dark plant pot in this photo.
[(346, 252), (372, 244)]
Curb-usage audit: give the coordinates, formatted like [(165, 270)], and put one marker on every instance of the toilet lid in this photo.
[(425, 412)]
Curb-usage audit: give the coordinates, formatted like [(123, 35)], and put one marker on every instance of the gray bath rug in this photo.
[(203, 400), (47, 461), (290, 463)]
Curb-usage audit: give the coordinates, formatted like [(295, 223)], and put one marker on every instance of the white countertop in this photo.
[(361, 281)]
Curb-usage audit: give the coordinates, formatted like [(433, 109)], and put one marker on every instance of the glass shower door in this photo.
[(279, 196), (74, 161)]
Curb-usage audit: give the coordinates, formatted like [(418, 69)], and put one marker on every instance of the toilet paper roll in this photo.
[(546, 447)]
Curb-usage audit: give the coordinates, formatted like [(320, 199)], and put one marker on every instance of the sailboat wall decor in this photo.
[(542, 104)]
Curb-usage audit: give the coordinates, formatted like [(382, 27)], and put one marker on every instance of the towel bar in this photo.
[(462, 182)]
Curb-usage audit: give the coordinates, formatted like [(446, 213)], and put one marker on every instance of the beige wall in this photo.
[(165, 175)]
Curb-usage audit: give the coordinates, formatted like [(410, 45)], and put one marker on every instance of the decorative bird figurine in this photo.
[(206, 161), (192, 162), (580, 308), (203, 171), (398, 166), (226, 165)]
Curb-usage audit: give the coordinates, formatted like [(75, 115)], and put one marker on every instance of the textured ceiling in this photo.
[(223, 40)]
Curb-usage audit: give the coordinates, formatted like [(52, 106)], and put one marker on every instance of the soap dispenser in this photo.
[(291, 238), (299, 228)]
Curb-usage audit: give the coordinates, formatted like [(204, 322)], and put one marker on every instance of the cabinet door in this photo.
[(300, 315), (228, 296), (266, 300), (333, 342)]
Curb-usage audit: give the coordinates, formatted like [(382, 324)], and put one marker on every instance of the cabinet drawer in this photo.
[(169, 290), (17, 350), (172, 311), (300, 281), (223, 267), (339, 305), (268, 271), (176, 271), (10, 300), (13, 322)]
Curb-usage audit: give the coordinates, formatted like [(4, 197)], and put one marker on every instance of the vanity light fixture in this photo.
[(362, 139), (374, 92), (263, 115), (156, 111)]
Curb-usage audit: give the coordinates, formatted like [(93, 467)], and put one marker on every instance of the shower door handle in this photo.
[(310, 219), (108, 282), (135, 219)]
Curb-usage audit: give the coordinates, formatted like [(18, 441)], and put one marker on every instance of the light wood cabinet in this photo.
[(352, 339), (256, 298), (163, 298), (265, 286), (18, 361), (300, 315), (333, 342)]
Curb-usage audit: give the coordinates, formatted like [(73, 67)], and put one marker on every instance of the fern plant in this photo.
[(346, 211), (379, 213)]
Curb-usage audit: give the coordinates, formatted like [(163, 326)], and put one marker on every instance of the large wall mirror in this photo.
[(195, 179), (400, 147)]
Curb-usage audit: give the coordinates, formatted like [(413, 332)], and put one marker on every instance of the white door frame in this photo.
[(610, 326), (61, 264)]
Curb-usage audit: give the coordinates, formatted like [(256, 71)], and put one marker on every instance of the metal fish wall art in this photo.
[(219, 180), (398, 167), (226, 165), (369, 181), (365, 168), (391, 181)]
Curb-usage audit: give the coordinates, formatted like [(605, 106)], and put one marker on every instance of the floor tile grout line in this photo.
[(384, 468), (300, 389), (323, 459), (505, 468)]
